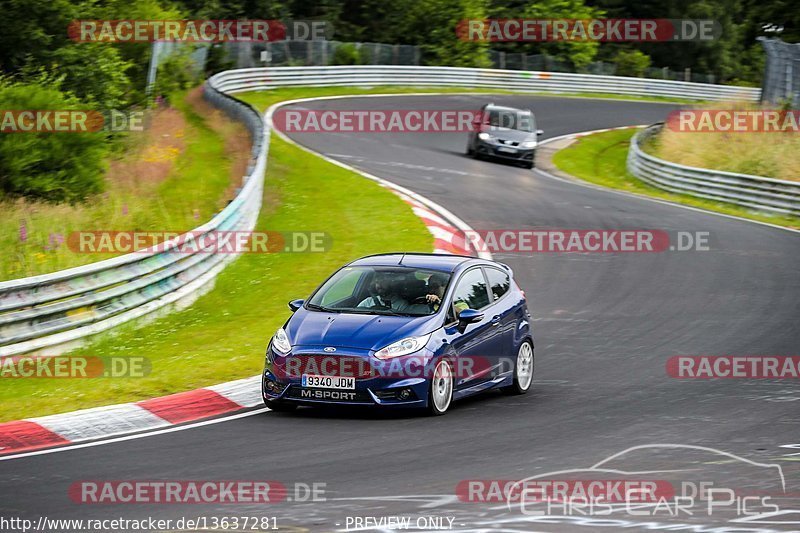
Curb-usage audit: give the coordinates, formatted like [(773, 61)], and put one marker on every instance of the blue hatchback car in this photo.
[(403, 331)]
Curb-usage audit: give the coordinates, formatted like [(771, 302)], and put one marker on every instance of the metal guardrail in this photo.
[(756, 192), (251, 79), (49, 312), (782, 73)]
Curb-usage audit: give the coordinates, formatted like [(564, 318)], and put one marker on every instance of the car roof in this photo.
[(442, 262), (490, 107)]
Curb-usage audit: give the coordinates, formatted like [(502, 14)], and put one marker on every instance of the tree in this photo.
[(576, 53), (631, 63), (432, 26), (55, 167)]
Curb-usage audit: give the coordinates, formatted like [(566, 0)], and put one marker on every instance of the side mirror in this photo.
[(294, 305), (539, 132), (467, 317)]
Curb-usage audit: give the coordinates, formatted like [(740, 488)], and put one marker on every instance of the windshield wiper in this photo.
[(316, 307), (391, 312)]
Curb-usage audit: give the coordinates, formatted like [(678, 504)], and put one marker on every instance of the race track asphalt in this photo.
[(605, 325)]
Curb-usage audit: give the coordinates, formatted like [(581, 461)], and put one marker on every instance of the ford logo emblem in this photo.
[(330, 349)]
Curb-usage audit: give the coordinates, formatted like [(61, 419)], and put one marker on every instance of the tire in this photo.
[(522, 378), (280, 407), (440, 389), (528, 165), (470, 151)]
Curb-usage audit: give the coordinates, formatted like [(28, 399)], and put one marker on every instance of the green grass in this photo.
[(769, 154), (263, 99), (600, 159), (191, 194), (224, 334)]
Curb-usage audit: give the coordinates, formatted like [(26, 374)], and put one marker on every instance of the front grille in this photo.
[(509, 143), (295, 366), (506, 154)]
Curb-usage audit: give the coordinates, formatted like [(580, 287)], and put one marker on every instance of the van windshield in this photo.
[(511, 119)]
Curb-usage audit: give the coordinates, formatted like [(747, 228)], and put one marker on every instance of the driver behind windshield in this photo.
[(384, 294), (436, 284)]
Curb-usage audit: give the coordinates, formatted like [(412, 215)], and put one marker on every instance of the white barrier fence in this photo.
[(756, 192), (251, 79), (51, 312)]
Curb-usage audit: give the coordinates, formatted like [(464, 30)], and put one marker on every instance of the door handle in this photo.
[(496, 320)]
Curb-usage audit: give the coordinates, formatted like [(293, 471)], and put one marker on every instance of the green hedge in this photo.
[(54, 167)]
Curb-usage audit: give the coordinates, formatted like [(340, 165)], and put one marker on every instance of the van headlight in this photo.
[(402, 347), (280, 342), (484, 136)]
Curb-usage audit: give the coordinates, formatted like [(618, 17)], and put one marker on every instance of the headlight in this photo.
[(529, 144), (484, 136), (403, 347), (280, 342)]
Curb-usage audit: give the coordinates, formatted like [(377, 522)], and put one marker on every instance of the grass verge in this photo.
[(34, 235), (600, 159), (774, 153), (223, 335), (265, 98), (173, 176)]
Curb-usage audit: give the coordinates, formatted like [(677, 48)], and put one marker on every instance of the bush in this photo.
[(217, 60), (55, 167), (97, 75), (346, 54), (631, 63), (176, 72)]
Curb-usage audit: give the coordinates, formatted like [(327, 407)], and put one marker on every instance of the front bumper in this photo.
[(501, 151), (379, 388)]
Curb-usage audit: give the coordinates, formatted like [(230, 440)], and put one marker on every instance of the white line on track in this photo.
[(456, 221)]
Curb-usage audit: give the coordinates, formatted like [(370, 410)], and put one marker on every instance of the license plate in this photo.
[(506, 150), (328, 382)]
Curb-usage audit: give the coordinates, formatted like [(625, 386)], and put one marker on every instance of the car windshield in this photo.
[(511, 119), (378, 290)]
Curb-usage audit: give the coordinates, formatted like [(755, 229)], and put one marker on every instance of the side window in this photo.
[(451, 316), (499, 282), (470, 293)]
